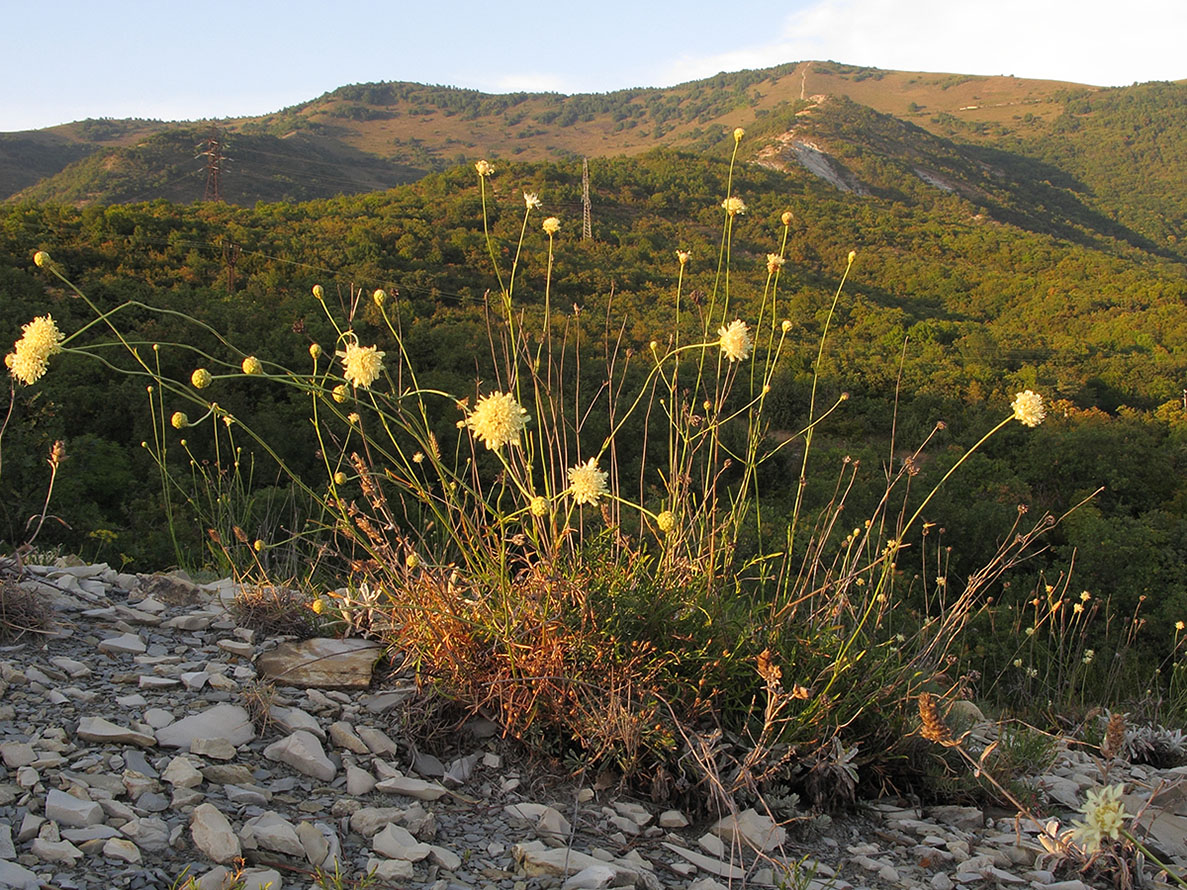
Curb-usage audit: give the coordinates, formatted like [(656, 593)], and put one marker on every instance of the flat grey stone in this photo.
[(303, 752), (212, 834), (97, 729), (321, 663), (223, 721)]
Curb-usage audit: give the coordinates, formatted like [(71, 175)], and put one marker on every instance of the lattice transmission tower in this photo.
[(212, 148)]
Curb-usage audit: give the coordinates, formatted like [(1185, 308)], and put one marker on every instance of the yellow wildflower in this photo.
[(539, 506), (666, 522), (735, 340), (361, 364), (1104, 816), (733, 206), (40, 339), (683, 256), (1028, 408), (738, 134), (551, 225), (531, 200), (484, 168), (251, 365), (774, 263), (587, 484), (497, 420), (179, 420), (201, 378)]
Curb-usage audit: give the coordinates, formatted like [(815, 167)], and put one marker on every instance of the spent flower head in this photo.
[(787, 217), (484, 168), (531, 200), (774, 263), (682, 256), (1028, 408), (361, 364), (497, 420), (1104, 816), (735, 340), (587, 484), (550, 225), (733, 205)]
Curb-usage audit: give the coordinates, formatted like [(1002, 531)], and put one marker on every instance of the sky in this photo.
[(68, 60)]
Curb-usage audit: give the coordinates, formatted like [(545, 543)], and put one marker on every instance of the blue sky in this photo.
[(66, 61)]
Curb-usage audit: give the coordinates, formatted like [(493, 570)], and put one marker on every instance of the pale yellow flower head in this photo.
[(251, 365), (179, 420), (735, 340), (1104, 816), (774, 263), (361, 364), (733, 205), (40, 339), (551, 225), (738, 134), (484, 168), (531, 200), (786, 326), (666, 522), (201, 378), (1028, 408), (539, 505), (497, 420), (587, 484)]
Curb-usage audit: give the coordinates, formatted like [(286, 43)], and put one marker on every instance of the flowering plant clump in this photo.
[(735, 340), (497, 420), (1028, 408), (40, 339), (587, 484), (361, 365)]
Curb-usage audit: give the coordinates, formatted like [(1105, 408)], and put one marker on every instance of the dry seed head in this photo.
[(1114, 742), (934, 728)]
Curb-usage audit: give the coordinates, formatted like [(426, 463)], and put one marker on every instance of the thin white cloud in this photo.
[(1089, 41)]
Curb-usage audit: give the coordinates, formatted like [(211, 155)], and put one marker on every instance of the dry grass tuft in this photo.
[(21, 612), (276, 611)]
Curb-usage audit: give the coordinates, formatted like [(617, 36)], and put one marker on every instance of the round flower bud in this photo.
[(41, 259), (339, 478), (786, 218), (319, 292), (738, 134), (380, 296), (179, 420), (539, 506), (340, 393), (315, 350), (666, 522), (412, 562), (852, 255), (786, 325), (259, 545), (251, 365), (201, 378)]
